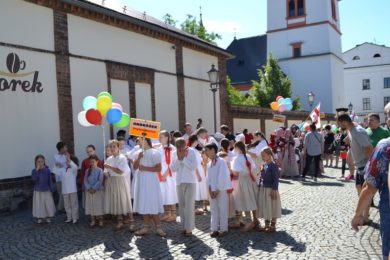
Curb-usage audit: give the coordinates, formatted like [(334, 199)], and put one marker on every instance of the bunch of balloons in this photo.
[(95, 109), (282, 104)]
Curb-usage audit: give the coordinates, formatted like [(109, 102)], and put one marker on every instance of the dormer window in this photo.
[(295, 8), (356, 58), (377, 55)]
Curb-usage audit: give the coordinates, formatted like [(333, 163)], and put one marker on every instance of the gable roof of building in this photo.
[(149, 22), (250, 55), (367, 43)]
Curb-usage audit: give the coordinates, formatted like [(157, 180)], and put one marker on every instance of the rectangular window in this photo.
[(386, 100), (297, 51), (366, 104), (366, 84), (386, 82)]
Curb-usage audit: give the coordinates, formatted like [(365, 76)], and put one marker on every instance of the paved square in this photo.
[(315, 225)]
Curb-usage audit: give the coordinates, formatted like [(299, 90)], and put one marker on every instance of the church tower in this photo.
[(305, 36)]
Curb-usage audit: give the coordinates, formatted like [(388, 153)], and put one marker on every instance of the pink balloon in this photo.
[(282, 108), (118, 106)]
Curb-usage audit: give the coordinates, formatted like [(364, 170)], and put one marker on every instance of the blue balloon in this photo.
[(89, 102), (288, 100), (281, 101), (289, 107), (113, 115)]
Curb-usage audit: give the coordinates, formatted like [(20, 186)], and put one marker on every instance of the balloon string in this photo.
[(104, 141)]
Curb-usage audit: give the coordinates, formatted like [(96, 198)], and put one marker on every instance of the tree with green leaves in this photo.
[(235, 97), (168, 19), (192, 26), (273, 82)]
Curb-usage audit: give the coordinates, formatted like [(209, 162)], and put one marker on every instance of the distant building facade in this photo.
[(367, 78)]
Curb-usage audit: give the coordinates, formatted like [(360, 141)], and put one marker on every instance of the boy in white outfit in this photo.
[(69, 190), (218, 181)]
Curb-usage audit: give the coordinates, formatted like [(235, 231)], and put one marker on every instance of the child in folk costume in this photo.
[(167, 178), (246, 192), (184, 163), (218, 181), (254, 149), (269, 205), (43, 203), (201, 193), (289, 161), (118, 201), (94, 198), (69, 190), (148, 201), (233, 180), (59, 168)]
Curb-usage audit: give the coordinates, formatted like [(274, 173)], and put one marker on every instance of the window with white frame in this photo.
[(366, 104), (386, 100), (386, 82)]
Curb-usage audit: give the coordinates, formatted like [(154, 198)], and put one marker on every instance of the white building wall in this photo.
[(143, 101), (29, 120), (88, 78), (199, 104), (367, 67), (318, 81), (276, 14), (167, 108), (197, 64), (98, 40), (240, 124), (120, 94), (26, 24)]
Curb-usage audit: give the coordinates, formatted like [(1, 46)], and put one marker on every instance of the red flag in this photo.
[(315, 115)]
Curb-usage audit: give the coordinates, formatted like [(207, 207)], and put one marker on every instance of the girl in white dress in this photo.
[(245, 193), (167, 178), (148, 201), (94, 198), (201, 192), (118, 201)]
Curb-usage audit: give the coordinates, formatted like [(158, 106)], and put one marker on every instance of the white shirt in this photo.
[(218, 175), (185, 168), (260, 146), (58, 170), (210, 139), (186, 136), (120, 162), (68, 178), (164, 165)]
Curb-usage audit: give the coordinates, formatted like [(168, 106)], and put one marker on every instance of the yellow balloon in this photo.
[(274, 106), (103, 104)]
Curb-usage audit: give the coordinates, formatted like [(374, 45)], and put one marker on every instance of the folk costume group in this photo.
[(158, 181)]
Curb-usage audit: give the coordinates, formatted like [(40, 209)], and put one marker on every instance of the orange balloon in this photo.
[(275, 106)]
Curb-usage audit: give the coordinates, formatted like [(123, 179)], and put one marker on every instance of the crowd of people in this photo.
[(234, 176)]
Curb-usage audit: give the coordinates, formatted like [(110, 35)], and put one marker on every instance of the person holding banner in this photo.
[(118, 200), (185, 164), (167, 177), (148, 201)]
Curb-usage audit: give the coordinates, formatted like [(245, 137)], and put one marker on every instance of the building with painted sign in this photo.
[(54, 53)]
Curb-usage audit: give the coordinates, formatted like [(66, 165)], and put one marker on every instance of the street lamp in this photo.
[(310, 99), (213, 77), (350, 108)]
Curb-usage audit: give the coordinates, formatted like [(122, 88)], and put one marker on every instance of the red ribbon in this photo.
[(167, 151), (248, 164)]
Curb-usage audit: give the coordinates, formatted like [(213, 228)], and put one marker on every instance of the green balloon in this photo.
[(124, 122), (105, 93)]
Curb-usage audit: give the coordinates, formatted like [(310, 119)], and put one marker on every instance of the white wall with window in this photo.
[(367, 78)]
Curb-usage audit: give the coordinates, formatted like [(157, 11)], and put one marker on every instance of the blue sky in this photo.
[(361, 20)]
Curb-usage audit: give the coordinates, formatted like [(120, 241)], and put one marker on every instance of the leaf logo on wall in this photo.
[(11, 79)]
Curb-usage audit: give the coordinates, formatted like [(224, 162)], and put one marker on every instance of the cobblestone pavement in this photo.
[(315, 225)]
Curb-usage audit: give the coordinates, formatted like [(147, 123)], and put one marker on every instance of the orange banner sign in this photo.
[(144, 128)]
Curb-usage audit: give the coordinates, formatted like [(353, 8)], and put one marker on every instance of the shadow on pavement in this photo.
[(286, 211), (238, 244), (329, 184)]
